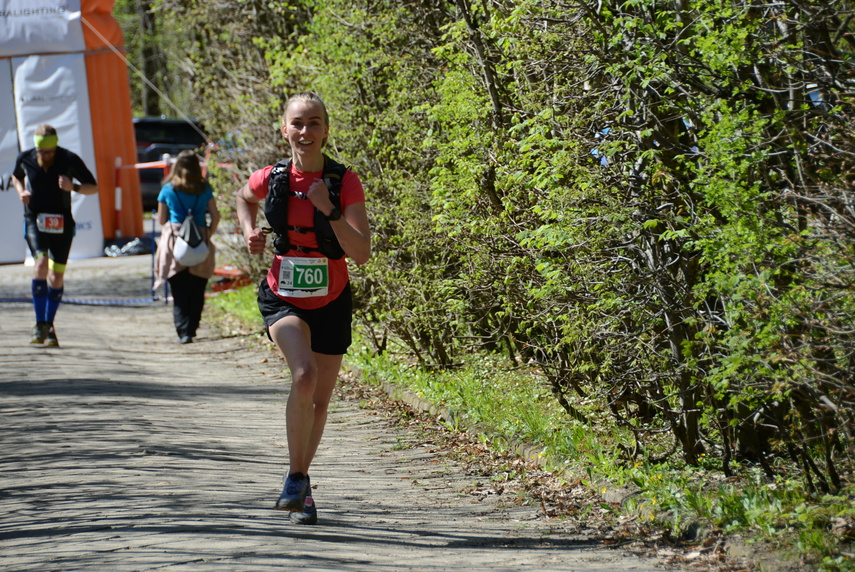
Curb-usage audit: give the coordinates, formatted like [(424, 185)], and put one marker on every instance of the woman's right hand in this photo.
[(246, 205), (255, 241)]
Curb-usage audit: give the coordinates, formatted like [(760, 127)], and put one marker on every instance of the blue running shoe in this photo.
[(294, 493), (309, 514)]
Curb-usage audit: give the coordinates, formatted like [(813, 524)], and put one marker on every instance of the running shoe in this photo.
[(309, 514), (40, 332), (294, 493), (50, 338)]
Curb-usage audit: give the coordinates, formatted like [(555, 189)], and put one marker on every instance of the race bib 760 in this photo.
[(303, 277)]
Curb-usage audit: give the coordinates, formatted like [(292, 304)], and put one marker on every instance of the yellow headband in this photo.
[(46, 141)]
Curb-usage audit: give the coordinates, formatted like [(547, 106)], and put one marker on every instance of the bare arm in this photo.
[(215, 216), (23, 193), (87, 189), (352, 229), (354, 233), (162, 213), (247, 212), (66, 184)]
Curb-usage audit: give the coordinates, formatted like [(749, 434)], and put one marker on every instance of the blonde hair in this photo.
[(308, 97), (186, 174)]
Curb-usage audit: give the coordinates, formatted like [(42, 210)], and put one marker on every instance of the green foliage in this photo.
[(781, 512), (618, 197), (647, 204)]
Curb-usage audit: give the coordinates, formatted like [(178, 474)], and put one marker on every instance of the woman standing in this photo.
[(184, 191), (316, 208)]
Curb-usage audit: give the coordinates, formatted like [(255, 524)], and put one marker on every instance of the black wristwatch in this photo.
[(335, 214)]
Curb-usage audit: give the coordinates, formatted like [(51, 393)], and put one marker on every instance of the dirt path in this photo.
[(123, 450)]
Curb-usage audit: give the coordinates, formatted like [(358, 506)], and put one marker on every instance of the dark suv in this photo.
[(156, 136)]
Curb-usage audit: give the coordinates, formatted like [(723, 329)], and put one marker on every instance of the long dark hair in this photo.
[(186, 174)]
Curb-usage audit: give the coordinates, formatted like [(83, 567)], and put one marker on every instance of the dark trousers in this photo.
[(188, 295)]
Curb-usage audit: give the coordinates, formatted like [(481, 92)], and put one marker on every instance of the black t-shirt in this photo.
[(46, 195)]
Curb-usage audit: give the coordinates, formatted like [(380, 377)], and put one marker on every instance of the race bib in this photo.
[(52, 223), (303, 277)]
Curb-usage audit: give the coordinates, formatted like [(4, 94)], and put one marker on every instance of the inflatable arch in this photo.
[(58, 66)]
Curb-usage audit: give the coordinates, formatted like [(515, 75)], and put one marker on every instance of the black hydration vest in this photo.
[(276, 209)]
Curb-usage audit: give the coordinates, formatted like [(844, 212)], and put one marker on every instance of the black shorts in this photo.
[(330, 325), (57, 246)]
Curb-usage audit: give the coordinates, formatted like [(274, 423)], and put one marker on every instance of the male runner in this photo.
[(50, 172)]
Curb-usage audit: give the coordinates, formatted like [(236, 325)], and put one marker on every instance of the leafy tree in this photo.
[(648, 201)]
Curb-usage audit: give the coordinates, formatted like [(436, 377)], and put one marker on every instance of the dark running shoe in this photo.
[(294, 493), (50, 338), (309, 514), (40, 332)]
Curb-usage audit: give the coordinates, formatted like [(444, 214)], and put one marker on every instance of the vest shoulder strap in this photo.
[(276, 207)]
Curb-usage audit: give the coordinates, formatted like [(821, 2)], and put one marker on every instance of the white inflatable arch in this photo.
[(57, 67)]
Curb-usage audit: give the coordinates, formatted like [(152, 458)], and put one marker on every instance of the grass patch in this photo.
[(236, 311)]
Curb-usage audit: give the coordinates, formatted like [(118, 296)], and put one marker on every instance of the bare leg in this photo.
[(313, 378), (328, 368), (56, 279), (40, 267), (42, 271)]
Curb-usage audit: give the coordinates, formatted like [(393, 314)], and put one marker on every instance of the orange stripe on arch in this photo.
[(112, 120), (99, 13)]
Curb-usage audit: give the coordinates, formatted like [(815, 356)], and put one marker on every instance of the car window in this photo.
[(161, 133)]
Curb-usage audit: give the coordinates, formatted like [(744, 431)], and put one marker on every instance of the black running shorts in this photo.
[(330, 325), (57, 246)]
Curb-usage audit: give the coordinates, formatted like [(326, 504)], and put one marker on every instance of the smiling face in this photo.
[(306, 129)]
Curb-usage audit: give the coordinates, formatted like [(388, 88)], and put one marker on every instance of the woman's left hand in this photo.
[(320, 196)]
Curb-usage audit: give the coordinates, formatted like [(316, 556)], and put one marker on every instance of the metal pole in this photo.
[(166, 166), (117, 204), (153, 257)]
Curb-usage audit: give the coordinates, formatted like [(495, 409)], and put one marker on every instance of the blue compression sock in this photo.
[(54, 297), (40, 297)]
